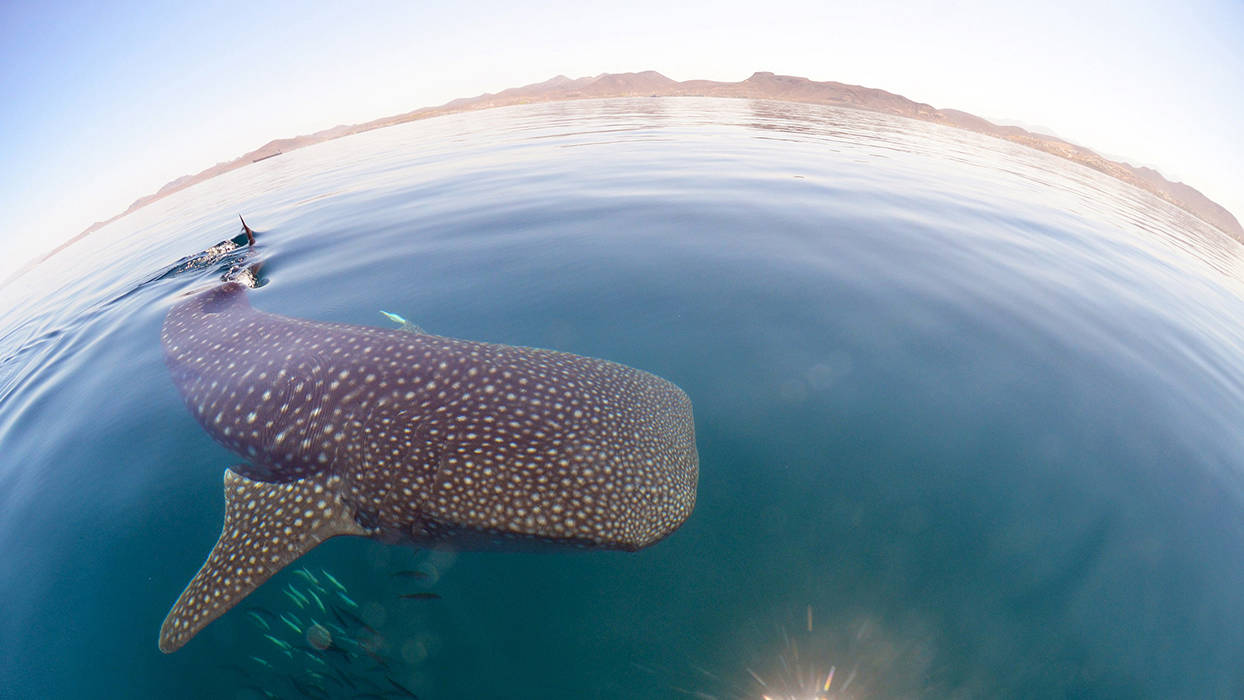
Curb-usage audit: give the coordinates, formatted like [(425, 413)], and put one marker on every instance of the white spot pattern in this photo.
[(261, 535), (432, 439)]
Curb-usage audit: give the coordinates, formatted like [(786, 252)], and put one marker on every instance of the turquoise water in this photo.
[(967, 415)]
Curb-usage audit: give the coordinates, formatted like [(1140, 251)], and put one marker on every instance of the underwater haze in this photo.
[(968, 416)]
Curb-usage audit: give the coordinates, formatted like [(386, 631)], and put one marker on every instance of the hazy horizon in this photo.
[(109, 104)]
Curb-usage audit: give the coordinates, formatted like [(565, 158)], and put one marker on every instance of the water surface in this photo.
[(968, 411)]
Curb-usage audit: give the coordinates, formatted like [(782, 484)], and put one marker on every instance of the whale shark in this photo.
[(412, 438)]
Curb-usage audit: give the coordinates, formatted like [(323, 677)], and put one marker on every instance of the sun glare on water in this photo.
[(806, 677)]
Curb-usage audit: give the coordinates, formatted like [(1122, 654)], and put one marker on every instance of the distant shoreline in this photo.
[(759, 86)]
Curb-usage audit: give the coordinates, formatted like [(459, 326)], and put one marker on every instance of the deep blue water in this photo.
[(967, 411)]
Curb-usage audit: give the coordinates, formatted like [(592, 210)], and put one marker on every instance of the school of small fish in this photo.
[(320, 646)]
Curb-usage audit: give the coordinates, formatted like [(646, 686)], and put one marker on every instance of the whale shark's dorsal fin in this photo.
[(267, 525)]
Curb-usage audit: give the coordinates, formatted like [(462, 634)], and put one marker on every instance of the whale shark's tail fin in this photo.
[(267, 525), (250, 235)]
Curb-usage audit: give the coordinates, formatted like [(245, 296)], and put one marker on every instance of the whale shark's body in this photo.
[(410, 437)]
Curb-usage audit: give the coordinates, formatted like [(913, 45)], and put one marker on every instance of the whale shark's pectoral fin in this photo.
[(267, 525)]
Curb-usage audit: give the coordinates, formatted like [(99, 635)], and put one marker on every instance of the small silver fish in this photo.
[(317, 600), (292, 593), (307, 576), (333, 580), (403, 324), (313, 657), (293, 624), (258, 619)]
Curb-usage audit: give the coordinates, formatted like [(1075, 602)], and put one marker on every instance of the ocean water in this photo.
[(968, 417)]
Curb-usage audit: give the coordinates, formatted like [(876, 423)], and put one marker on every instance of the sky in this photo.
[(102, 103)]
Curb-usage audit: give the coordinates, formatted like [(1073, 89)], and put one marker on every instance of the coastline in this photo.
[(760, 85)]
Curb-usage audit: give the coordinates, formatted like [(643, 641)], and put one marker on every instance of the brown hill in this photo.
[(761, 85)]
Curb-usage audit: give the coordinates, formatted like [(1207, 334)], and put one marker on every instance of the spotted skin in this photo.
[(411, 437)]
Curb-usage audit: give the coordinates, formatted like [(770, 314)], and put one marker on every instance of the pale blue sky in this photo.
[(105, 102)]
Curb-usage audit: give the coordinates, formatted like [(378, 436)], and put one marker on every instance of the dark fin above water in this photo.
[(267, 525), (250, 235)]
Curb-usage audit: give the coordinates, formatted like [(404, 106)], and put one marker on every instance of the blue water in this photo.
[(968, 414)]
